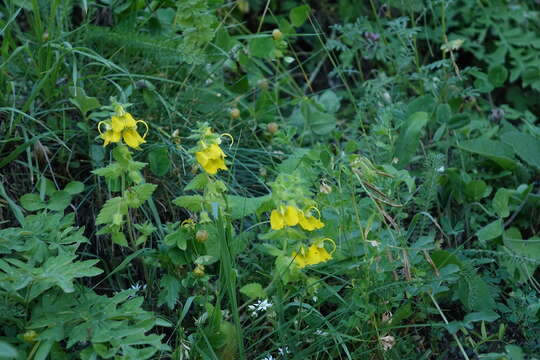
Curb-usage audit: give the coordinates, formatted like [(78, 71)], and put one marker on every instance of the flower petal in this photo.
[(304, 222), (129, 121), (276, 220), (202, 158), (214, 152), (291, 215), (117, 124), (300, 260), (132, 138), (110, 136)]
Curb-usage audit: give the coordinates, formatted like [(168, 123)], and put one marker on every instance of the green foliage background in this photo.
[(413, 126)]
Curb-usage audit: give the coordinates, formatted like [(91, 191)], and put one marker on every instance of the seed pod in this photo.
[(277, 34), (201, 236), (272, 127), (235, 113)]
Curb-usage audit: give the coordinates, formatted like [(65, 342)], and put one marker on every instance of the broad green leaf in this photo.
[(490, 231), (59, 200), (83, 102), (206, 260), (7, 351), (169, 292), (299, 15), (253, 291), (32, 202), (497, 75), (496, 151), (474, 293), (477, 189), (262, 47), (488, 316), (500, 202), (242, 206), (159, 162), (526, 146), (409, 137), (177, 238), (444, 112), (330, 101), (74, 187)]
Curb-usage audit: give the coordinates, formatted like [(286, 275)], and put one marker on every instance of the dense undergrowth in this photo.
[(202, 179)]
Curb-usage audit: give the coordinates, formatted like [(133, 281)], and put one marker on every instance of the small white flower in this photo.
[(283, 351), (259, 306), (268, 357), (319, 332), (387, 342), (441, 169)]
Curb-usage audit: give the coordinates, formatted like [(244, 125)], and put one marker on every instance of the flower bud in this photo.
[(263, 84), (325, 188), (45, 36), (199, 270), (30, 336), (277, 34), (272, 127), (235, 113), (201, 236)]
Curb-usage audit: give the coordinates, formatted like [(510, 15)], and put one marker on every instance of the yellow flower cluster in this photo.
[(290, 216), (315, 254), (122, 125), (211, 158)]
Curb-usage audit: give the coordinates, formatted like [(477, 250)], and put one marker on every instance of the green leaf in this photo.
[(177, 238), (119, 238), (112, 171), (500, 202), (474, 293), (496, 151), (330, 101), (206, 260), (190, 202), (242, 206), (299, 15), (138, 194), (490, 231), (261, 47), (444, 112), (197, 183), (112, 212), (497, 75), (409, 137), (7, 351), (253, 291), (83, 102), (74, 187), (515, 352), (59, 200), (159, 161), (477, 189), (169, 292), (32, 202), (488, 316), (318, 122), (526, 146)]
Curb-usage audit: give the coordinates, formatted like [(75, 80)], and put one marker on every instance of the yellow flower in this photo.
[(212, 158), (315, 254), (284, 215), (123, 126), (309, 222)]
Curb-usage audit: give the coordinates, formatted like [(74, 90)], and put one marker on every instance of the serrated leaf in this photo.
[(138, 194), (111, 211), (190, 202), (177, 238), (169, 292), (112, 171), (409, 137), (197, 183)]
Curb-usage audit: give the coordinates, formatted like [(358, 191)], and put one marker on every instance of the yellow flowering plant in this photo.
[(120, 126), (123, 175)]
